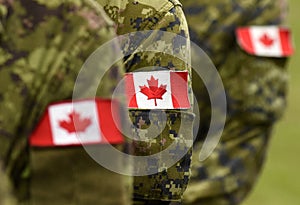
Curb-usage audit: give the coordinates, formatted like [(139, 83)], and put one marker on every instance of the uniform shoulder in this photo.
[(158, 5)]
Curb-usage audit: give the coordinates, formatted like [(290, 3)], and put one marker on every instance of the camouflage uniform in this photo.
[(142, 15), (43, 46), (256, 96), (129, 16)]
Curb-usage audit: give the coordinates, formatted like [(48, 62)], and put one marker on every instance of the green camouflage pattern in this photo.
[(6, 197), (167, 184), (256, 89), (145, 15), (36, 39), (162, 15), (43, 46)]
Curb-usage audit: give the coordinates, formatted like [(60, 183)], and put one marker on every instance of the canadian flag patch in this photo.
[(269, 41), (157, 90), (78, 123)]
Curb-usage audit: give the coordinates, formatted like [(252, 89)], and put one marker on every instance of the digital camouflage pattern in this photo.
[(30, 90), (43, 46), (256, 96), (169, 183), (163, 15)]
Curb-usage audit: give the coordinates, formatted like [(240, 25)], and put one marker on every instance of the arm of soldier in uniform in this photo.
[(169, 183), (43, 47), (6, 196), (256, 95)]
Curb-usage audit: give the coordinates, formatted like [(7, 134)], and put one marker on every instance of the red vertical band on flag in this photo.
[(42, 135), (286, 44), (179, 89), (130, 90), (108, 114), (244, 39)]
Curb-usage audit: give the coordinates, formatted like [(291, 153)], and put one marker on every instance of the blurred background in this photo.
[(279, 183)]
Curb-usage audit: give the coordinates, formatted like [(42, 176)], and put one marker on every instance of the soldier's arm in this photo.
[(43, 45), (151, 54), (261, 96), (256, 96)]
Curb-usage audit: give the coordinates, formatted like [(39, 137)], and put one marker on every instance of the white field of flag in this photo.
[(77, 123), (59, 113), (157, 90), (269, 41)]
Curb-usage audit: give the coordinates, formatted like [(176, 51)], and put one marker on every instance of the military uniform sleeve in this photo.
[(143, 19), (256, 89), (264, 87), (221, 46), (43, 45)]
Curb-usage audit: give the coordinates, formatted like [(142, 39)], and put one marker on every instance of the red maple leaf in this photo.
[(75, 123), (266, 40), (153, 92)]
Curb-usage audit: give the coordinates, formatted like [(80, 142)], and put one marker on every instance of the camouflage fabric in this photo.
[(169, 183), (43, 46), (6, 197), (167, 15), (256, 96)]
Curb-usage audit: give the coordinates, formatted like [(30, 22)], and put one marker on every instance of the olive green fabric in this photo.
[(43, 46), (75, 178), (256, 89), (6, 196), (159, 15)]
